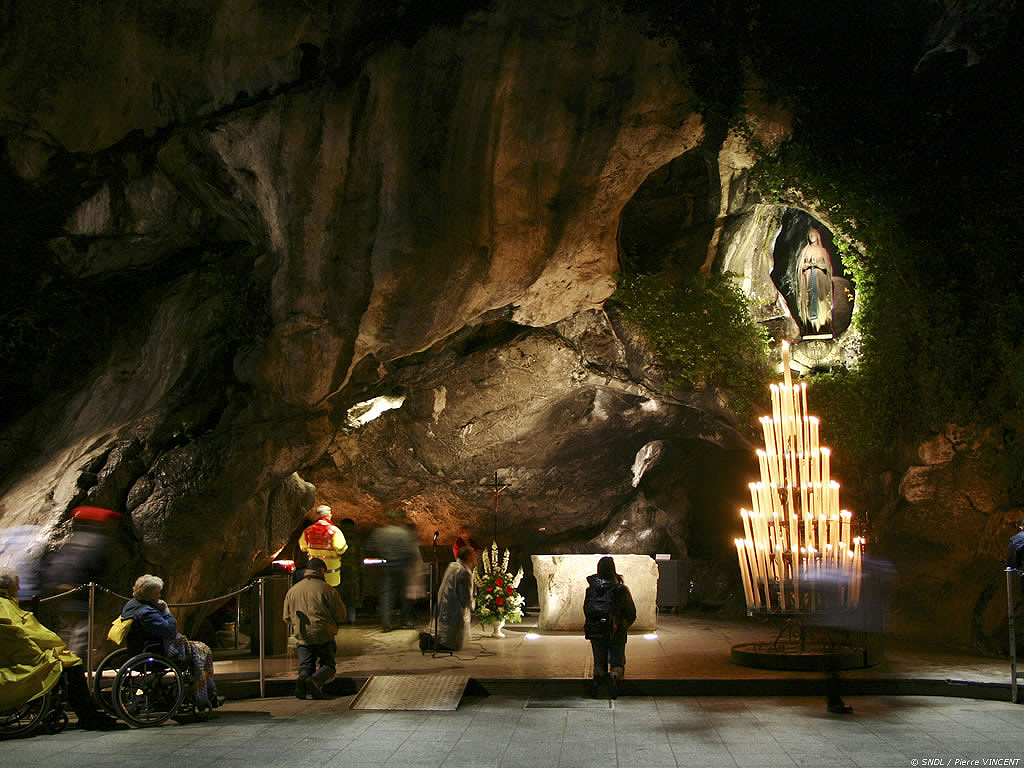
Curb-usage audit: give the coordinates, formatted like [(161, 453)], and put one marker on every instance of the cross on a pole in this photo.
[(496, 489)]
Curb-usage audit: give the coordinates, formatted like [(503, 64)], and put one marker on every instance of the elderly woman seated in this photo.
[(152, 621), (34, 659)]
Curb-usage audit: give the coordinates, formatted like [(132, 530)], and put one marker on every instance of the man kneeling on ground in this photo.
[(313, 610)]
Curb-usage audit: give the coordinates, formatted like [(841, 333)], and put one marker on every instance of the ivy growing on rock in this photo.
[(702, 328)]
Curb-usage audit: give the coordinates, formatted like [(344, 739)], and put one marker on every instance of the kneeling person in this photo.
[(313, 610)]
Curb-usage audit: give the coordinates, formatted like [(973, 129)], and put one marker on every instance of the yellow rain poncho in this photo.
[(31, 656)]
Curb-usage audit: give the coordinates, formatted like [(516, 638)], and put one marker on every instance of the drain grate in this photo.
[(567, 702), (403, 693)]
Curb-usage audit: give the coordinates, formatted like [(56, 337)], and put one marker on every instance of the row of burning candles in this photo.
[(799, 575), (783, 546)]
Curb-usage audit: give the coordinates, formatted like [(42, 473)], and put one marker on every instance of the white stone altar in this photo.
[(562, 581)]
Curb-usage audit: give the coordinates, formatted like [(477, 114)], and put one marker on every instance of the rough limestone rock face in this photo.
[(557, 417), (307, 212), (947, 536)]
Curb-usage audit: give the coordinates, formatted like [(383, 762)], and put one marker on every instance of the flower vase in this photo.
[(496, 628)]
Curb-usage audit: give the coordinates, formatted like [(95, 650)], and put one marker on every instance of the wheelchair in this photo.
[(143, 687), (46, 712)]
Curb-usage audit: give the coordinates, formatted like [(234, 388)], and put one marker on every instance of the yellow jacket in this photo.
[(327, 542), (31, 656)]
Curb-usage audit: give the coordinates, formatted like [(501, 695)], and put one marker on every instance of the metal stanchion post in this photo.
[(262, 638), (88, 636), (238, 617), (1011, 574)]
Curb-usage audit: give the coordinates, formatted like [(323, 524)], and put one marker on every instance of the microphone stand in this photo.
[(433, 569)]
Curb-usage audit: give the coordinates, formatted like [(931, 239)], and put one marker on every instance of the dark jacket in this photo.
[(621, 611), (150, 624)]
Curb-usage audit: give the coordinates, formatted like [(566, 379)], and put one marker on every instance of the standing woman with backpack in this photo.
[(609, 611)]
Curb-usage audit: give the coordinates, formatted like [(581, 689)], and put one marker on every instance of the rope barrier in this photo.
[(111, 592), (71, 591), (93, 586)]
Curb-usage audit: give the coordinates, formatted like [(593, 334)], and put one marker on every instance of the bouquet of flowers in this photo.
[(496, 595)]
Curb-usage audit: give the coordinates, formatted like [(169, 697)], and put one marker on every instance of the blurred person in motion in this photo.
[(609, 611), (84, 558), (313, 612), (393, 545), (852, 626), (415, 578), (34, 658), (153, 621)]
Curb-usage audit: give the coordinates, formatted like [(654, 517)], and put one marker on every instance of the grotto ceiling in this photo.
[(254, 222)]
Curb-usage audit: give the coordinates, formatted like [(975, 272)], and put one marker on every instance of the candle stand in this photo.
[(799, 562)]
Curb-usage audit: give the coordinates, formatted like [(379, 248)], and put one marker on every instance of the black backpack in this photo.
[(599, 611)]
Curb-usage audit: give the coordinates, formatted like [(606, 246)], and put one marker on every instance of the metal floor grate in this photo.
[(567, 702), (399, 693)]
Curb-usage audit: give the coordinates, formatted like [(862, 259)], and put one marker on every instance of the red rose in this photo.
[(490, 589), (500, 601), (499, 582)]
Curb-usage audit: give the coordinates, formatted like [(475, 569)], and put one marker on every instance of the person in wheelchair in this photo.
[(152, 621), (33, 659)]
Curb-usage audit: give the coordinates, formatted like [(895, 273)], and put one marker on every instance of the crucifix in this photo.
[(496, 489)]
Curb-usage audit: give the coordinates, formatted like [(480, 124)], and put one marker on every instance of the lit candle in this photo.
[(762, 567), (746, 523), (844, 534), (751, 556), (762, 461), (785, 365), (826, 475), (776, 405), (794, 538), (794, 562), (748, 592), (822, 538), (798, 419), (769, 434)]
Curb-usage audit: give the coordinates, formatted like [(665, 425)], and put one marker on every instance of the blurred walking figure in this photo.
[(83, 558), (860, 623), (313, 612), (351, 569), (455, 602), (415, 578), (609, 612), (325, 541), (393, 545)]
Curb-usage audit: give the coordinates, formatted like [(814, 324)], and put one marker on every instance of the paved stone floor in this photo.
[(689, 646), (498, 731)]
